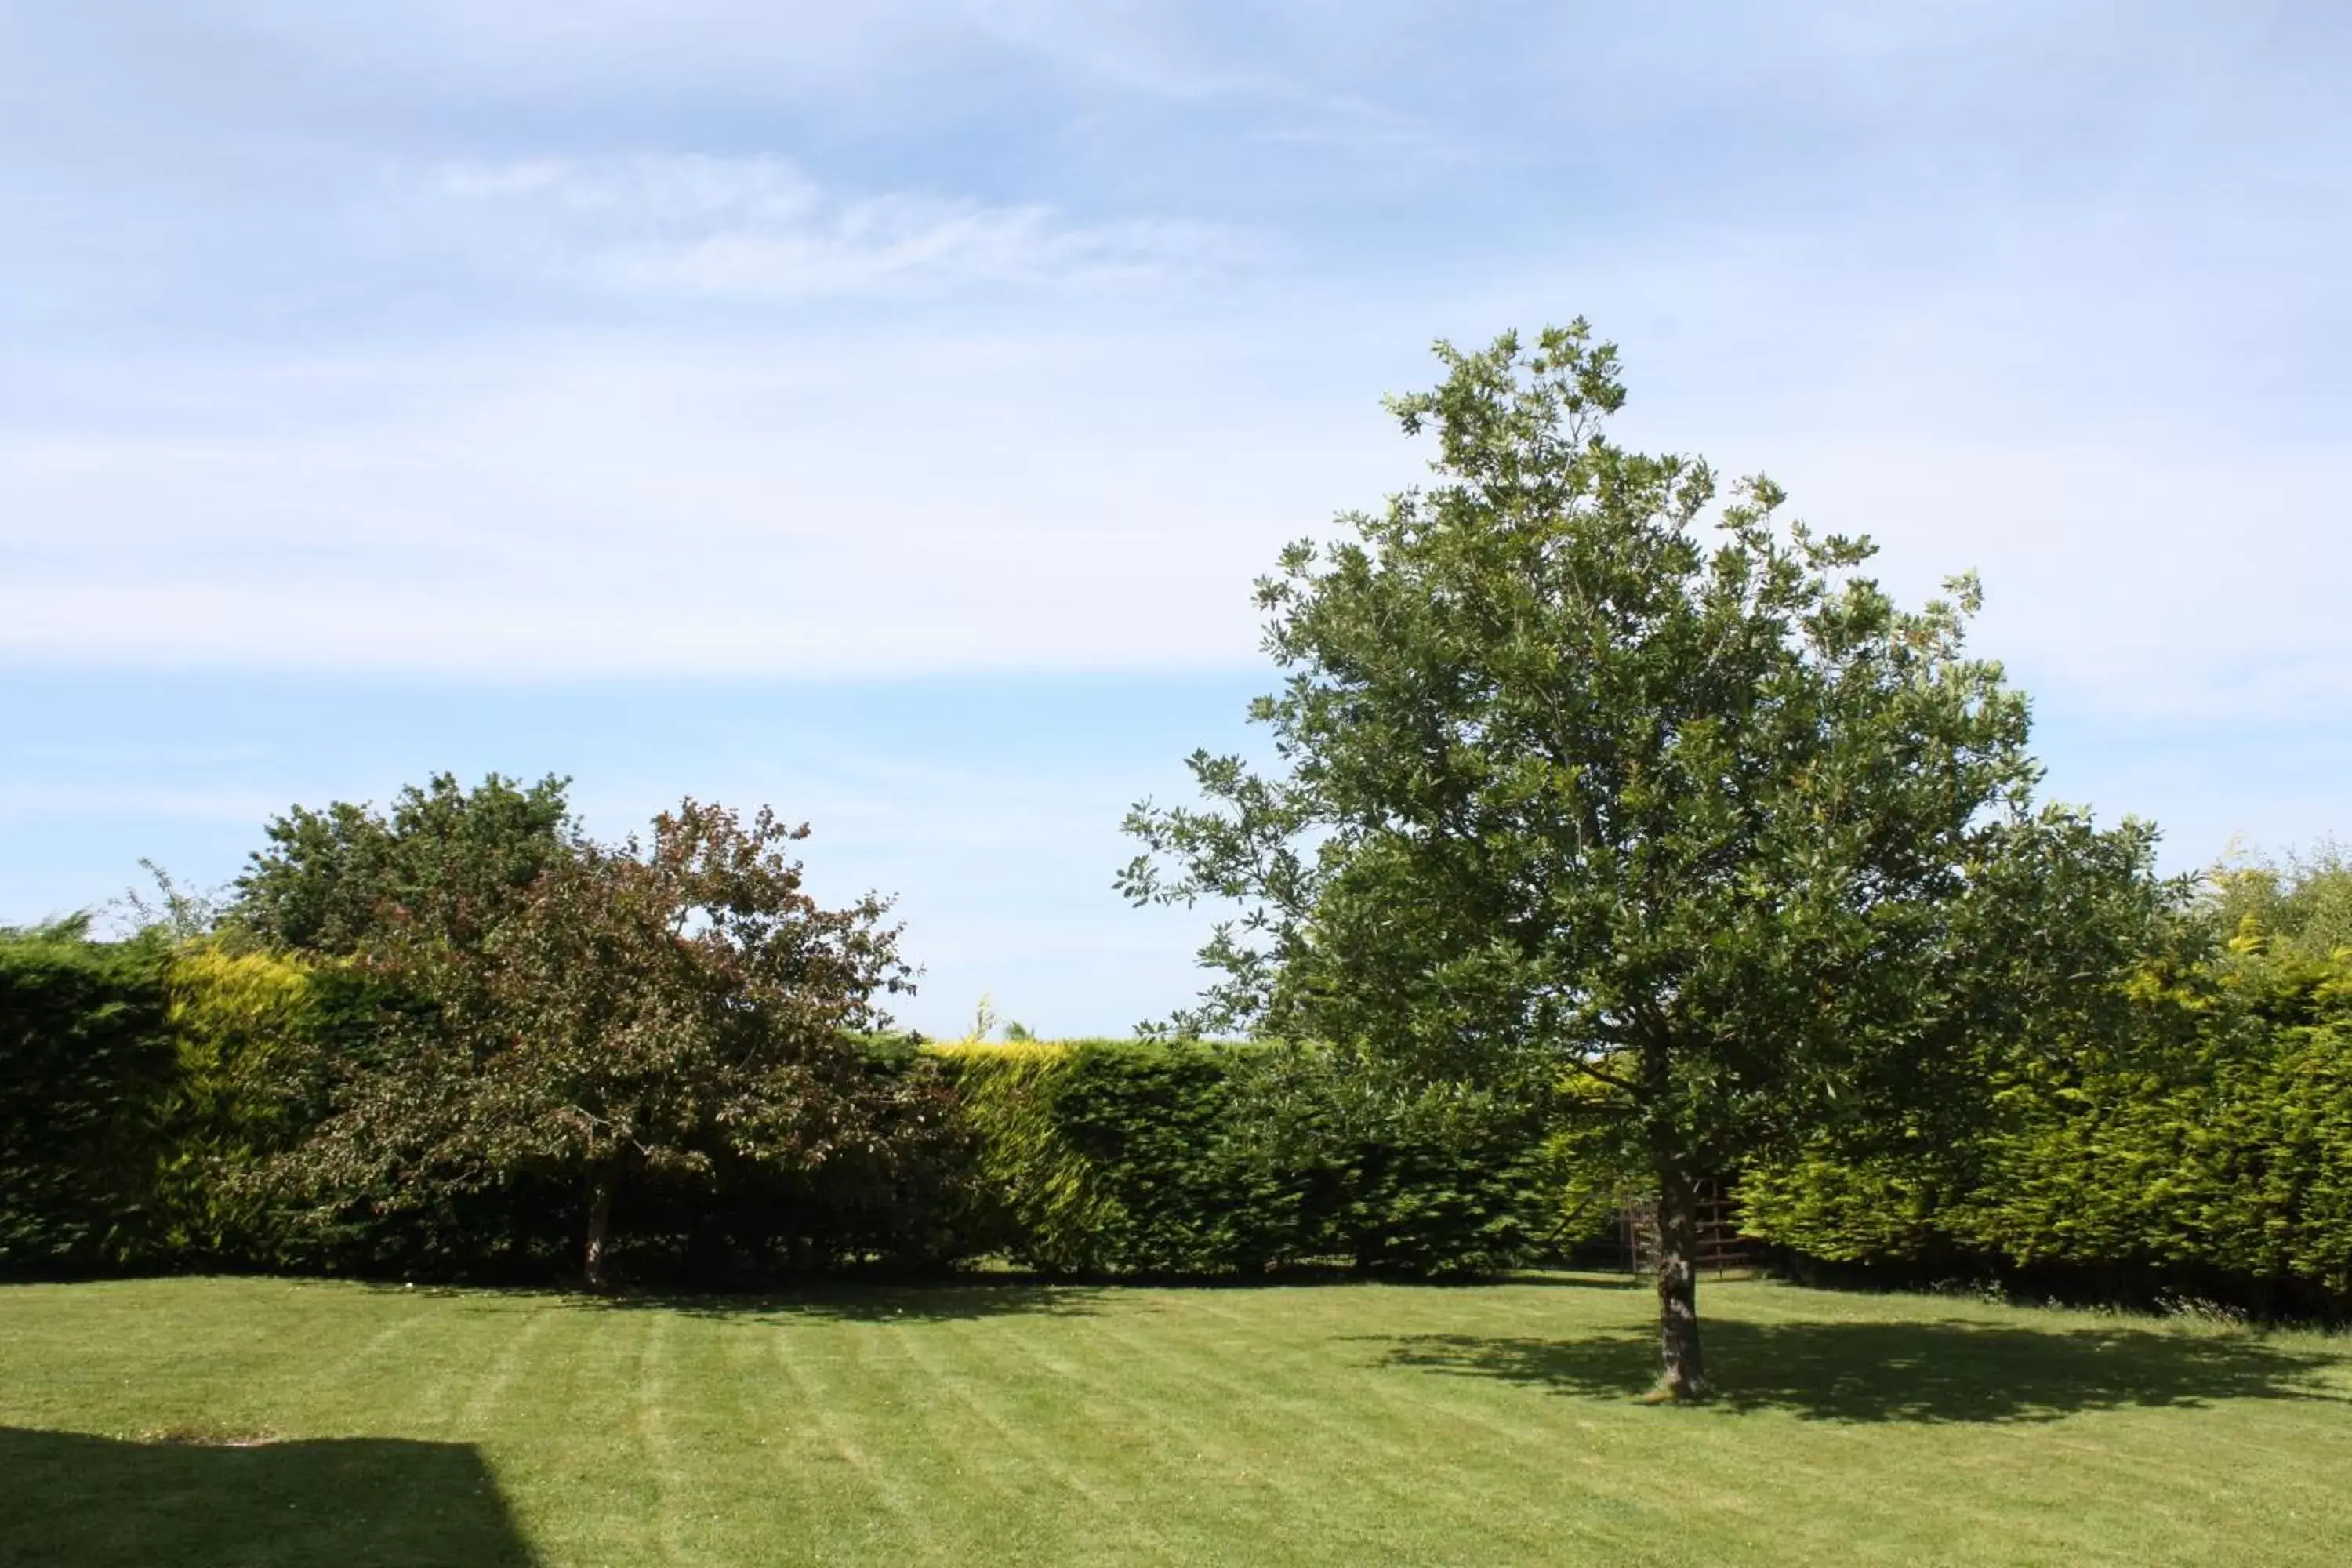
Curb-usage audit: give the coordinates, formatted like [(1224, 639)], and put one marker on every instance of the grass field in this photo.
[(267, 1422)]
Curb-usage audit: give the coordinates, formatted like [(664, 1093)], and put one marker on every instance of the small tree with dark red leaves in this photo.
[(644, 1010)]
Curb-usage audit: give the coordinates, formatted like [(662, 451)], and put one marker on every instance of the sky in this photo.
[(881, 410)]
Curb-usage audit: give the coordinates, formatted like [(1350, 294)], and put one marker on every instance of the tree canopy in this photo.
[(1586, 768), (453, 857)]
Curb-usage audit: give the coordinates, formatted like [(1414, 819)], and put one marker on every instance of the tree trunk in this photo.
[(1682, 1372), (604, 1180)]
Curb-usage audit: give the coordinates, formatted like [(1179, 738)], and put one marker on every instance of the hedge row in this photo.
[(141, 1086), (86, 1065), (1110, 1156), (2209, 1153), (2208, 1147), (144, 1089)]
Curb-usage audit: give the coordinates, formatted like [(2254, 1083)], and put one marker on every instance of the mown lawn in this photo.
[(266, 1422)]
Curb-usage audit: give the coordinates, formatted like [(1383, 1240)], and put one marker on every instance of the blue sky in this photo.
[(881, 410)]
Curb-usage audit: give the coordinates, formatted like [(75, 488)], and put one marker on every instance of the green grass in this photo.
[(263, 1422)]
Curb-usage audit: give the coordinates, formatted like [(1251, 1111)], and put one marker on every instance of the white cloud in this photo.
[(890, 503), (758, 229), (894, 507), (991, 428), (642, 193)]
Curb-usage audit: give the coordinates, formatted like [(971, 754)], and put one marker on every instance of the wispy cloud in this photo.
[(924, 501), (759, 227)]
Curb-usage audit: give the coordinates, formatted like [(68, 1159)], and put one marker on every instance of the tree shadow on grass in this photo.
[(1004, 1295), (1931, 1371), (989, 1294), (79, 1501), (856, 1303)]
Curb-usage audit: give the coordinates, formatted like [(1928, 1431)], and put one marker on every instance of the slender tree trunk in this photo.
[(604, 1180), (1683, 1371)]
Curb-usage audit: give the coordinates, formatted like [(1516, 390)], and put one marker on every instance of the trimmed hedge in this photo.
[(145, 1086), (86, 1060), (2207, 1150), (1216, 1158), (2209, 1155)]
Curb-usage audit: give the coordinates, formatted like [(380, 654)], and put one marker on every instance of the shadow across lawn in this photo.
[(853, 1303), (80, 1501), (1928, 1372), (1000, 1296)]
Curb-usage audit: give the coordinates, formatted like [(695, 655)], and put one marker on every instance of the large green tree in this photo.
[(640, 1009), (1568, 783)]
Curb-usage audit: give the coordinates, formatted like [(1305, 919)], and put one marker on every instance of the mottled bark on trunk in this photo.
[(1682, 1369), (603, 1182)]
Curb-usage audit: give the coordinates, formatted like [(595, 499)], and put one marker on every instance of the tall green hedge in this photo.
[(85, 1062), (144, 1083), (2207, 1146), (2211, 1150), (145, 1086), (1203, 1158)]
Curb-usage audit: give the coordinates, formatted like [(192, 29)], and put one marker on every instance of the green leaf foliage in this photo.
[(1201, 1157), (145, 1084), (677, 1025), (2196, 1130), (248, 1028), (1584, 765), (446, 857), (638, 1011)]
